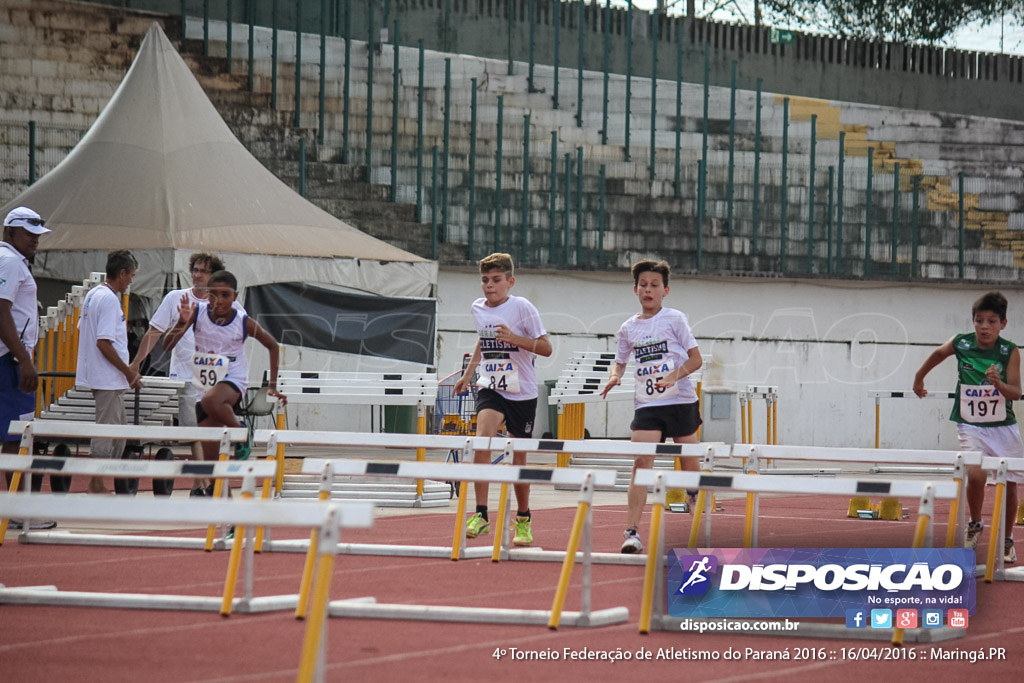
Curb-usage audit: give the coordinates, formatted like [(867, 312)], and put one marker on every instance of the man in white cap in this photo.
[(19, 327)]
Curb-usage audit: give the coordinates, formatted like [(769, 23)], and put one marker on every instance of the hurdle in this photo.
[(770, 394), (995, 569), (467, 445), (950, 464), (367, 389), (651, 611), (242, 513), (127, 469), (879, 395)]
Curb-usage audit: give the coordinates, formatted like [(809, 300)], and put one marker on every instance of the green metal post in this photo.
[(447, 23), (730, 191), (323, 69), (756, 206), (510, 15), (472, 169), (601, 221), (526, 189), (497, 181), (828, 220), (915, 226), (654, 84), (31, 152), (629, 70), (302, 167), (532, 19), (960, 224), (433, 203), (298, 61), (579, 66), (679, 107), (273, 55), (703, 168), (784, 199), (251, 16), (206, 28), (369, 93), (867, 213), (566, 208), (839, 202), (700, 214), (447, 147), (184, 10), (558, 45), (553, 197), (394, 115), (419, 132), (604, 63), (346, 99), (810, 196), (579, 206), (228, 26), (894, 230)]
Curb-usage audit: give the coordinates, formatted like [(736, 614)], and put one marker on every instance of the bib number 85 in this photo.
[(651, 387)]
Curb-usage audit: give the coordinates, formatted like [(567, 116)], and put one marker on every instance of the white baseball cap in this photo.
[(24, 217)]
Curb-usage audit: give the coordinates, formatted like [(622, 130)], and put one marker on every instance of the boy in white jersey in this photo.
[(511, 333), (666, 404), (220, 368), (202, 266), (988, 381)]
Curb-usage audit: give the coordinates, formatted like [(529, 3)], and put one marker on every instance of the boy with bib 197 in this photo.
[(988, 381)]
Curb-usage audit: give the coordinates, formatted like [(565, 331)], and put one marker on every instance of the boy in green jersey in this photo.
[(988, 381)]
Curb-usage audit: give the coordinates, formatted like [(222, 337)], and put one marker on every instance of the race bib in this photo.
[(647, 376), (499, 374), (208, 369), (981, 403)]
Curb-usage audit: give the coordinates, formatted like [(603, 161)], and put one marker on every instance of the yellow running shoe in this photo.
[(477, 526), (524, 535)]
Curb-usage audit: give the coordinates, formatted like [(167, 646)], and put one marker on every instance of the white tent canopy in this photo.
[(160, 173)]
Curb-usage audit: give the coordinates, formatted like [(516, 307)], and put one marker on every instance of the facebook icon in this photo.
[(856, 618)]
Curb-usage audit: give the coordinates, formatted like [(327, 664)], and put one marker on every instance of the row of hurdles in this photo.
[(255, 529)]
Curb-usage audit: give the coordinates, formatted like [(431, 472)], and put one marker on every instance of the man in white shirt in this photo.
[(201, 265), (19, 326), (103, 354)]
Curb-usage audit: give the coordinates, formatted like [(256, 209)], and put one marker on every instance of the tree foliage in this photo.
[(909, 20)]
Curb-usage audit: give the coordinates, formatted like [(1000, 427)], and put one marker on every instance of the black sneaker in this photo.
[(209, 491), (197, 493), (37, 524), (973, 534)]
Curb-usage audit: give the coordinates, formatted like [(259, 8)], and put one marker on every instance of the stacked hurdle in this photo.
[(417, 390), (770, 396)]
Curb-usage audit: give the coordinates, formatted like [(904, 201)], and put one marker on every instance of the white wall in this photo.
[(824, 344)]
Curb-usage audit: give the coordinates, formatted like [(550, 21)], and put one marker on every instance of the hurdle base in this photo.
[(476, 615), (807, 629), (49, 596), (120, 540)]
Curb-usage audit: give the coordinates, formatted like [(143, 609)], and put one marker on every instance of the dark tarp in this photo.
[(298, 314)]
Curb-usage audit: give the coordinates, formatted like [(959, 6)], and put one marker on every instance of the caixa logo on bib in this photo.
[(816, 582)]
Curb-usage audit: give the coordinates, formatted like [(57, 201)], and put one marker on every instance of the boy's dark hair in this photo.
[(211, 261), (118, 260), (497, 261), (223, 277), (994, 302), (650, 266)]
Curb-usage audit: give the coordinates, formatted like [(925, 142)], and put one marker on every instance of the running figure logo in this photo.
[(696, 580)]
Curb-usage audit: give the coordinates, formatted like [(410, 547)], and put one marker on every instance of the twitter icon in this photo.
[(881, 618)]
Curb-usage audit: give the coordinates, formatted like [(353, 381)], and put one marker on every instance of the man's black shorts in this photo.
[(678, 419), (519, 415)]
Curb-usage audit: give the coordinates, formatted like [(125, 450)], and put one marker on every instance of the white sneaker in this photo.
[(973, 535), (1009, 554), (632, 544)]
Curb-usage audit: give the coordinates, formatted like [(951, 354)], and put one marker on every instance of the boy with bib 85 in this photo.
[(988, 381), (662, 344), (511, 333)]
